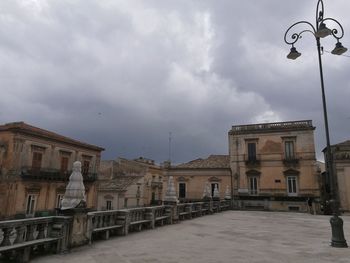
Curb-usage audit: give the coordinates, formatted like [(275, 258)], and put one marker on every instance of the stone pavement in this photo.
[(232, 236)]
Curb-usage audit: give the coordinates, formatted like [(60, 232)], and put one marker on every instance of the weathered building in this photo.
[(35, 165), (191, 178), (341, 163), (129, 183), (274, 165)]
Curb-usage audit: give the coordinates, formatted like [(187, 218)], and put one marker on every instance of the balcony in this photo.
[(252, 161), (268, 127), (156, 184), (49, 174), (291, 160)]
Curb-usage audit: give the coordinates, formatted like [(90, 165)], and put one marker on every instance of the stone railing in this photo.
[(107, 223), (239, 129), (20, 238)]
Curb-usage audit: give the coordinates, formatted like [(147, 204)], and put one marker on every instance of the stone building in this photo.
[(341, 162), (129, 183), (191, 178), (35, 165), (274, 165)]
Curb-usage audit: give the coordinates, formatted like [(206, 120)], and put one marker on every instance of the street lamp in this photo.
[(321, 31)]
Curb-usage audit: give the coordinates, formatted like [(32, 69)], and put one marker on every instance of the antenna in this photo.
[(169, 146)]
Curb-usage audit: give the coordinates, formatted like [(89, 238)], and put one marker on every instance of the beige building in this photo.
[(274, 165), (341, 155), (129, 183), (35, 165), (191, 178)]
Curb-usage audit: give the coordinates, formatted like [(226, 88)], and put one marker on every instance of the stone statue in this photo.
[(227, 193), (206, 192), (170, 195), (216, 194), (74, 197)]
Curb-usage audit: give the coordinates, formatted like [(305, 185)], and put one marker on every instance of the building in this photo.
[(274, 165), (129, 183), (341, 163), (35, 165), (191, 178)]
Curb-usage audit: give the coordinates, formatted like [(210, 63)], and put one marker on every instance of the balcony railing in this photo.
[(32, 173), (291, 159), (239, 129), (156, 184), (252, 160)]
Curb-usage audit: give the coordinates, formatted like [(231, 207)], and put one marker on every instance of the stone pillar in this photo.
[(170, 198), (74, 205), (78, 232)]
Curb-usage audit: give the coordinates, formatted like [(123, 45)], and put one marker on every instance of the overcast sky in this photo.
[(122, 74)]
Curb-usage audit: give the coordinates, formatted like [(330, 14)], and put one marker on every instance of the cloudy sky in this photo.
[(123, 74)]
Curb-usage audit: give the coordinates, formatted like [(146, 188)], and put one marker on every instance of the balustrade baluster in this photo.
[(19, 234), (100, 221), (6, 236), (41, 229), (30, 232)]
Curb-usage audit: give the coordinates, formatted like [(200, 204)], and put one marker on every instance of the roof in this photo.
[(212, 162), (25, 128), (346, 143), (272, 127), (120, 183)]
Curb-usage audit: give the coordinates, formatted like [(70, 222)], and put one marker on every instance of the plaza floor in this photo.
[(232, 236)]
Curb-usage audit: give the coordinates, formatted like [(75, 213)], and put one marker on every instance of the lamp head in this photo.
[(323, 31), (293, 54), (339, 49)]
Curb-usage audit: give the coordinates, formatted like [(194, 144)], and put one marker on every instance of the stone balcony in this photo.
[(30, 173), (275, 126), (232, 236)]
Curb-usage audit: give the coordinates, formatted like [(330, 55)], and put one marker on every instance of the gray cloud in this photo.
[(123, 74)]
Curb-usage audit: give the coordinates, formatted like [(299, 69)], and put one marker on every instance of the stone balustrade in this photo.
[(20, 238)]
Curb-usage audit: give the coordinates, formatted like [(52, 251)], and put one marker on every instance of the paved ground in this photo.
[(233, 236)]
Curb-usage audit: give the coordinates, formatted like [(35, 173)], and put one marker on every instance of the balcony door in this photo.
[(36, 162)]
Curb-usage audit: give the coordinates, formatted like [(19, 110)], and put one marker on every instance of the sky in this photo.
[(124, 74)]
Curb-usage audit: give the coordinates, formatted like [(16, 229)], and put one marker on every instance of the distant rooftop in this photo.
[(120, 183), (272, 127), (213, 161), (23, 127)]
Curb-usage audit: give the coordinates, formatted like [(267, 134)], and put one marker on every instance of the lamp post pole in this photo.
[(321, 31)]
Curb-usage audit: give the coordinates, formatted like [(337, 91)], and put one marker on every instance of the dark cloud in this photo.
[(123, 74)]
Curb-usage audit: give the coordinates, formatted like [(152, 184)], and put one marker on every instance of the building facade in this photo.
[(274, 165), (127, 183), (193, 177), (35, 165), (341, 163)]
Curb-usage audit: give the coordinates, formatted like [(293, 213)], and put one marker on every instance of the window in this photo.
[(153, 196), (182, 190), (253, 185), (31, 205), (289, 150), (59, 200), (64, 164), (36, 162), (85, 168), (251, 151), (292, 185), (108, 205), (213, 188)]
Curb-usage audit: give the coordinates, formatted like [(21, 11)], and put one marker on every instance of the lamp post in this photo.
[(320, 31)]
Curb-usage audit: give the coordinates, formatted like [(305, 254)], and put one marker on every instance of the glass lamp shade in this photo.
[(339, 49), (323, 31), (293, 54)]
